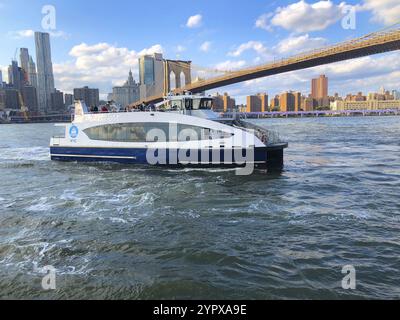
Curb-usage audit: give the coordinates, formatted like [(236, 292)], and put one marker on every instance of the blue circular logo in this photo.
[(73, 132)]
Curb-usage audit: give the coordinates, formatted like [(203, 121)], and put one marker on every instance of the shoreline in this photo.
[(247, 116)]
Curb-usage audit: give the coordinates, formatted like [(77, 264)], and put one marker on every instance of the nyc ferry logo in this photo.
[(74, 132)]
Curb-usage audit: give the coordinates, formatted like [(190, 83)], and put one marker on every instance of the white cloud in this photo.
[(59, 34), (195, 21), (230, 65), (293, 44), (256, 46), (180, 49), (206, 46), (263, 22), (100, 65), (365, 74), (304, 17), (22, 34), (28, 33), (384, 11)]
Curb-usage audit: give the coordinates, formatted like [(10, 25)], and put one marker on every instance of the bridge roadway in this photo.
[(374, 43)]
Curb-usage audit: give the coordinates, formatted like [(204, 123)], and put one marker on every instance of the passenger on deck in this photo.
[(104, 109), (95, 109)]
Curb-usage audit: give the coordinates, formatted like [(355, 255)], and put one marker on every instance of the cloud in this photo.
[(206, 46), (22, 34), (29, 33), (303, 17), (293, 44), (195, 21), (256, 46), (263, 22), (230, 65), (100, 65), (365, 74), (386, 12), (59, 34), (180, 49)]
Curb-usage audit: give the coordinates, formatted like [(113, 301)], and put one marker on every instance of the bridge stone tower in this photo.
[(177, 75)]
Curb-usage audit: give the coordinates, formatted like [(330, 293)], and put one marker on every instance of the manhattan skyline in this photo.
[(252, 34)]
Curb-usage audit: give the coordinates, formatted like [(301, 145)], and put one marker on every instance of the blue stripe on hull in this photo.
[(135, 156)]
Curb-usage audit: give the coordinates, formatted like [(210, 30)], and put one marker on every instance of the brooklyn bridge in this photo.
[(374, 43)]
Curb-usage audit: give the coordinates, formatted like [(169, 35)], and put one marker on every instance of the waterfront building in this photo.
[(151, 75), (365, 105), (257, 103), (2, 99), (396, 94), (29, 96), (12, 99), (223, 103), (16, 76), (1, 79), (90, 96), (126, 94), (68, 99), (57, 101), (319, 91), (308, 104), (297, 101), (24, 62), (45, 77), (32, 75), (287, 102), (275, 103), (319, 87)]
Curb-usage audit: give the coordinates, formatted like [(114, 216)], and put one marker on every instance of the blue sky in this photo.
[(96, 42)]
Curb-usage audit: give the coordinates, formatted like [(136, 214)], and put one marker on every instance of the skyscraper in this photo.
[(16, 76), (319, 87), (151, 75), (32, 75), (1, 78), (24, 62), (44, 71)]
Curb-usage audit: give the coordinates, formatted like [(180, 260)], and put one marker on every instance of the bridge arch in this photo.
[(181, 71), (172, 81)]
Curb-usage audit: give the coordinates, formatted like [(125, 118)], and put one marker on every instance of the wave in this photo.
[(20, 154)]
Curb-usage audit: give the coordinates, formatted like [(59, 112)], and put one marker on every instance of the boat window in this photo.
[(202, 104), (59, 132), (189, 104), (153, 132)]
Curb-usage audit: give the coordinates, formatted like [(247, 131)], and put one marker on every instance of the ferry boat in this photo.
[(181, 131)]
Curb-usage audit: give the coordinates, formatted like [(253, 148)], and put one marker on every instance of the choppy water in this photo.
[(118, 232)]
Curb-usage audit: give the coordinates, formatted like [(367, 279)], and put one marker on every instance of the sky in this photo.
[(95, 43)]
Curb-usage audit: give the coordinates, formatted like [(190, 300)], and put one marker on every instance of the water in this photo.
[(117, 232)]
